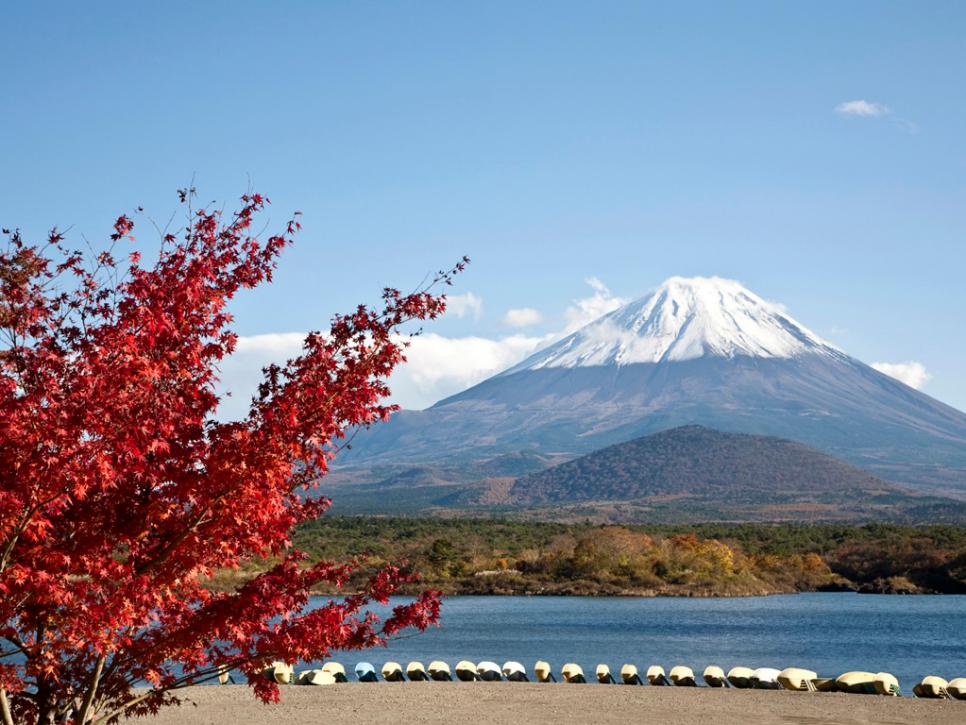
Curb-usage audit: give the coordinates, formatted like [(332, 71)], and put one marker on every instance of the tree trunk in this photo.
[(85, 712), (5, 709)]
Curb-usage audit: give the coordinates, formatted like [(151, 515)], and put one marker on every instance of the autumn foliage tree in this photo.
[(120, 491)]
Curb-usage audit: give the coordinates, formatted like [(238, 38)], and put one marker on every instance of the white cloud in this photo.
[(868, 109), (463, 305), (522, 317), (911, 373), (436, 366), (588, 309)]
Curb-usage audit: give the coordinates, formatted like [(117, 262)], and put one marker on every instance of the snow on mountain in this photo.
[(683, 319), (696, 351)]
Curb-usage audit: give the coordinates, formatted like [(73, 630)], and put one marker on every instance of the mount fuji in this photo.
[(704, 351)]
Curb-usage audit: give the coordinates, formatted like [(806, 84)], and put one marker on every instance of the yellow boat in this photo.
[(315, 677), (740, 677), (795, 678), (336, 670), (887, 684), (931, 687), (630, 676), (714, 676), (393, 672), (543, 672), (416, 672), (439, 671), (858, 683), (682, 676), (574, 673), (279, 672), (603, 675), (466, 671)]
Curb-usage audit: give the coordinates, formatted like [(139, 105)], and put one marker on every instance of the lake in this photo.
[(831, 633)]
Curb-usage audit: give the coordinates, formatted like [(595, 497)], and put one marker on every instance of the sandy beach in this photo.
[(403, 703)]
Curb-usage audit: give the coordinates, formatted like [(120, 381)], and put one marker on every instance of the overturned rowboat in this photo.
[(439, 671), (714, 676), (336, 670), (515, 672), (489, 671), (315, 677), (655, 675), (630, 676), (466, 671), (824, 684), (796, 678), (740, 677), (957, 688), (393, 672), (543, 672), (365, 672), (856, 683), (765, 678), (682, 676), (887, 684), (573, 673), (278, 672), (416, 672), (932, 687), (603, 675)]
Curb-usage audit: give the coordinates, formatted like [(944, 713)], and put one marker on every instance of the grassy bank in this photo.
[(481, 556)]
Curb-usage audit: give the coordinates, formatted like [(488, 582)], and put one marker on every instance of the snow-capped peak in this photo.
[(684, 318)]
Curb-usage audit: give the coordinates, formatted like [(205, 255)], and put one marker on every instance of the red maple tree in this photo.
[(121, 492)]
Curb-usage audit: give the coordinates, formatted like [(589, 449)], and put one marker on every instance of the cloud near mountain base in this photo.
[(911, 373)]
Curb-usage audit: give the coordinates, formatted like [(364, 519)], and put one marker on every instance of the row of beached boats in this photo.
[(762, 678)]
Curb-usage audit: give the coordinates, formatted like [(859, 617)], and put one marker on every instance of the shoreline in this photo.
[(550, 704)]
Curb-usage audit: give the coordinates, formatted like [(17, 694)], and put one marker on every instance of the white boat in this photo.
[(765, 678), (489, 671), (513, 671), (365, 672), (956, 687)]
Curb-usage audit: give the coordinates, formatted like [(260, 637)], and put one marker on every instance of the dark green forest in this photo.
[(464, 556)]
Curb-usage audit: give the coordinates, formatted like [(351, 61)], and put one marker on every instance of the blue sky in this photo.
[(551, 142)]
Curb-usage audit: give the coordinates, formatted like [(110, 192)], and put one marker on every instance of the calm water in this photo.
[(829, 633)]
